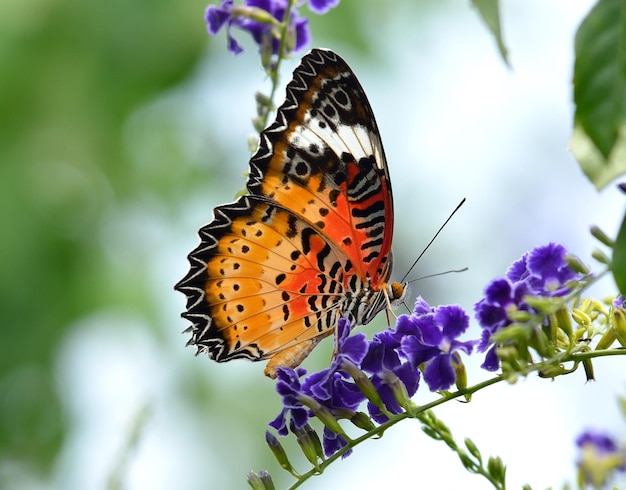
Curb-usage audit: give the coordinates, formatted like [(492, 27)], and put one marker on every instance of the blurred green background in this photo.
[(122, 124), (93, 148), (73, 73)]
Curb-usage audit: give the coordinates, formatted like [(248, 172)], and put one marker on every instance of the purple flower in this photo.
[(602, 443), (384, 364), (290, 388), (380, 371), (332, 442), (600, 457), (322, 6), (502, 297), (332, 388), (260, 18), (547, 271), (434, 341), (326, 383), (542, 272)]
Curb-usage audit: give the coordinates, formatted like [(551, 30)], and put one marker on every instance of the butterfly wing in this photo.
[(323, 158), (311, 242)]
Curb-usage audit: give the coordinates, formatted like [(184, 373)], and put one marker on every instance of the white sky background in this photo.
[(455, 123)]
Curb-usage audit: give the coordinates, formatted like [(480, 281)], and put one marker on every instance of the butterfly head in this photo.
[(396, 292)]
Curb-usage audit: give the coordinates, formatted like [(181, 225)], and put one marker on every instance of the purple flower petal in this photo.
[(492, 362), (454, 320), (226, 15), (518, 270), (541, 272), (416, 352), (217, 17), (547, 260), (602, 442), (439, 374), (322, 6), (333, 442), (303, 34)]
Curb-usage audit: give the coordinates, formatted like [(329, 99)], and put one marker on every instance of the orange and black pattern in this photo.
[(311, 242)]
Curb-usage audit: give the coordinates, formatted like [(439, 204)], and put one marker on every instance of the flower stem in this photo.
[(274, 68)]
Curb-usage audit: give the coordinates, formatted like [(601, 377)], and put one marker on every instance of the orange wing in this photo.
[(311, 242), (323, 158)]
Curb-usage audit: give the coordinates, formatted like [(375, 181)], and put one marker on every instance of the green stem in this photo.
[(275, 70)]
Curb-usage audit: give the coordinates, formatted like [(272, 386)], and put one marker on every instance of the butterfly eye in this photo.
[(397, 291)]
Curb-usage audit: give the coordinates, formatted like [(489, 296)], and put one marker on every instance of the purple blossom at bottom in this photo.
[(332, 388), (389, 364), (431, 339), (289, 387), (229, 15), (600, 457), (541, 272)]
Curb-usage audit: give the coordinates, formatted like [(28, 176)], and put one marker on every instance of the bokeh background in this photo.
[(123, 124)]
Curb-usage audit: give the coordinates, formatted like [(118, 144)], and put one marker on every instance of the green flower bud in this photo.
[(520, 316), (363, 383), (619, 325), (552, 371), (398, 389), (362, 421), (278, 451), (316, 441), (322, 413), (255, 13), (473, 449), (607, 339), (459, 371), (576, 264), (580, 317), (266, 478), (261, 481), (601, 257), (496, 468), (467, 462), (255, 481), (601, 236), (305, 439), (541, 343), (564, 322), (588, 366)]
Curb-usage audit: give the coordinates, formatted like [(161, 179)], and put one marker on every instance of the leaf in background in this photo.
[(599, 135), (618, 262), (489, 11)]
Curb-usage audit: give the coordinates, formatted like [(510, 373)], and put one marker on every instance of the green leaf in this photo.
[(598, 169), (489, 11), (618, 264), (600, 90)]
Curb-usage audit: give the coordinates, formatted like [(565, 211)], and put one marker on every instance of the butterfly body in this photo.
[(311, 242)]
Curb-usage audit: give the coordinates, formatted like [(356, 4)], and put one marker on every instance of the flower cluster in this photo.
[(384, 371), (600, 458), (263, 19), (543, 272)]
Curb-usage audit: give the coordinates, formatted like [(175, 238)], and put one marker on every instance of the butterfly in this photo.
[(311, 240)]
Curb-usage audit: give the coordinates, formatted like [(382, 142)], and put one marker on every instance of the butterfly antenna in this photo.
[(438, 274), (433, 239)]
